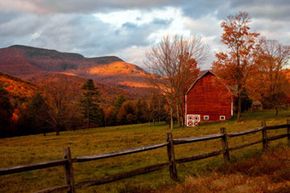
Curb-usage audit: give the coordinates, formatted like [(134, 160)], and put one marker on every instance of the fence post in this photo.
[(225, 145), (69, 176), (171, 157), (264, 136), (288, 132)]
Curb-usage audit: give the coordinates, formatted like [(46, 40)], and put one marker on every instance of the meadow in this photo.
[(37, 148)]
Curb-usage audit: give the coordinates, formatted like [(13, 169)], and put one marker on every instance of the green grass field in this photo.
[(37, 148)]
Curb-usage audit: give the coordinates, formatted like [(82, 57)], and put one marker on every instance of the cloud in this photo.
[(128, 28), (134, 54), (274, 10), (137, 16), (84, 33), (30, 6), (83, 6)]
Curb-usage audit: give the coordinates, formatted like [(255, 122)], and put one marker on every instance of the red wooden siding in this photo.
[(209, 96)]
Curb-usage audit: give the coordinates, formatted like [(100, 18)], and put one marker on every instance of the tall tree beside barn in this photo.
[(268, 83), (235, 64), (173, 62), (91, 110)]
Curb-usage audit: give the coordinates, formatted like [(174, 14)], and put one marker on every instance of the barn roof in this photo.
[(202, 74)]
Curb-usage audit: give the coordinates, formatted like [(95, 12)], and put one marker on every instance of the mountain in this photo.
[(29, 62)]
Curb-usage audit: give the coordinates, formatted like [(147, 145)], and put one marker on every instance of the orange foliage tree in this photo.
[(235, 64), (268, 82)]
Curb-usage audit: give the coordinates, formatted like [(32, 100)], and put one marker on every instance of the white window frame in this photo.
[(195, 119), (222, 117), (205, 117)]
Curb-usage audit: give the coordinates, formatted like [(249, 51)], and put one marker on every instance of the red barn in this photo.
[(208, 99)]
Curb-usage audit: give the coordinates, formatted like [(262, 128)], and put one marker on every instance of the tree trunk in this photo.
[(171, 118), (177, 114), (58, 127), (276, 111), (57, 131), (239, 107), (182, 106)]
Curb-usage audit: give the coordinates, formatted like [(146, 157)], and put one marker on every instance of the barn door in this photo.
[(192, 120)]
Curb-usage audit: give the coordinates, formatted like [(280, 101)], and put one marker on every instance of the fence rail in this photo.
[(251, 131), (119, 153), (67, 161), (196, 139), (30, 167)]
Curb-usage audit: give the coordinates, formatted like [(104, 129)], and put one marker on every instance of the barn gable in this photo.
[(208, 99)]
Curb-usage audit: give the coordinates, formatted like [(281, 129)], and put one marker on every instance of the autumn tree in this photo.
[(174, 64), (6, 111), (268, 83), (119, 100), (62, 96), (156, 108), (91, 110), (108, 115), (235, 64), (35, 117), (142, 111), (127, 113)]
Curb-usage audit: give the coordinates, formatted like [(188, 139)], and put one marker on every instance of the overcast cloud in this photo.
[(128, 28)]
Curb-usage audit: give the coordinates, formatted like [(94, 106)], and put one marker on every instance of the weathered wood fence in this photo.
[(67, 161)]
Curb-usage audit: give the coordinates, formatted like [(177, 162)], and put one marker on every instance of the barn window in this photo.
[(222, 117), (206, 117)]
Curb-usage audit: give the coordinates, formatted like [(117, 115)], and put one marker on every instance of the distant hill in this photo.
[(30, 63), (33, 60)]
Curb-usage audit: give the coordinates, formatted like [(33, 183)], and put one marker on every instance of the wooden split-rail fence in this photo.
[(67, 161)]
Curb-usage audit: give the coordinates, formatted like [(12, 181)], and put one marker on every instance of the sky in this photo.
[(129, 28)]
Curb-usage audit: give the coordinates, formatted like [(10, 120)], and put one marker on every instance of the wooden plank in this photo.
[(23, 168), (252, 131), (53, 189), (273, 127), (264, 136), (245, 145), (277, 137), (199, 157), (171, 157), (288, 132), (196, 139), (119, 153), (69, 174), (124, 175), (225, 145)]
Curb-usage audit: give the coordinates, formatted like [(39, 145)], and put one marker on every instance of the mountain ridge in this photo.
[(25, 62)]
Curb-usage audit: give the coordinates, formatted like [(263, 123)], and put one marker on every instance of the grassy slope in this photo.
[(33, 149), (267, 173)]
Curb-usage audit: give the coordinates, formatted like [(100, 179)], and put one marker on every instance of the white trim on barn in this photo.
[(222, 117), (205, 117)]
